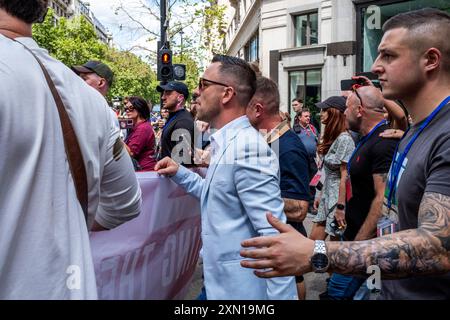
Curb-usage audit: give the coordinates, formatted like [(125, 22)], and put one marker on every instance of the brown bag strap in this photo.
[(71, 144)]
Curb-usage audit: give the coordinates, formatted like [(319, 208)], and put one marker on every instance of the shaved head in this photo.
[(372, 98), (427, 28)]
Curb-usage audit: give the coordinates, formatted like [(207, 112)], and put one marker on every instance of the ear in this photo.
[(432, 59), (102, 83), (259, 109), (361, 111), (228, 94)]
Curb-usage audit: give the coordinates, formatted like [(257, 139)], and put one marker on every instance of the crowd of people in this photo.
[(375, 177)]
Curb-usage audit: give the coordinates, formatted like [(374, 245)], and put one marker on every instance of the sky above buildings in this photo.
[(119, 24), (126, 35)]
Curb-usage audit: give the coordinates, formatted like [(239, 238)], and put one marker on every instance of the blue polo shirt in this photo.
[(294, 166)]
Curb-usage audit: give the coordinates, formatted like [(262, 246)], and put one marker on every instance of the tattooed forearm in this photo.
[(420, 251)]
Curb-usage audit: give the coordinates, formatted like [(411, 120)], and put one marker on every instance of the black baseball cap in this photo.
[(179, 87), (98, 68), (337, 102)]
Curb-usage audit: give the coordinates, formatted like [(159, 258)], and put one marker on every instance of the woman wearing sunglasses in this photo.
[(140, 142)]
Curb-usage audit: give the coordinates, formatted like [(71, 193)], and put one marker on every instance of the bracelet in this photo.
[(340, 206)]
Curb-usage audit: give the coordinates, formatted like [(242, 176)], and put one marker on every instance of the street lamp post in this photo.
[(181, 51)]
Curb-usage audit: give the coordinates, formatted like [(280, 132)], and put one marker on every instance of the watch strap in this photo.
[(319, 247)]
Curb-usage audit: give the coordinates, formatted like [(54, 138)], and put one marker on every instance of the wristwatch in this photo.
[(319, 259), (340, 206)]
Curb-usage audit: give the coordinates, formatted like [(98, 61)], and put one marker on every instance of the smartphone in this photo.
[(372, 77), (347, 84), (126, 123), (369, 75)]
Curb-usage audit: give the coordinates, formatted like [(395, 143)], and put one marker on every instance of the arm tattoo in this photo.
[(420, 251)]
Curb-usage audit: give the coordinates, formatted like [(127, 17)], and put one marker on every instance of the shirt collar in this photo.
[(277, 132), (173, 114), (28, 42), (227, 132)]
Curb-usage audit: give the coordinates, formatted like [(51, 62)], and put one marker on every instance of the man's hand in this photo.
[(366, 81), (316, 204), (286, 254), (392, 133), (167, 167)]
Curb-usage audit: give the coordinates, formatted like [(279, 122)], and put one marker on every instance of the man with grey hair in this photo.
[(413, 66)]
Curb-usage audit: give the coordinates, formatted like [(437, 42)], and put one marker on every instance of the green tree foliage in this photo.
[(74, 42), (133, 77), (70, 41)]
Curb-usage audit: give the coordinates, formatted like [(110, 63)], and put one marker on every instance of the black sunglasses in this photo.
[(129, 109), (355, 88), (201, 83)]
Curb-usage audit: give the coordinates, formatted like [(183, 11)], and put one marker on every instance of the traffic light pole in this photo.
[(163, 40), (164, 24)]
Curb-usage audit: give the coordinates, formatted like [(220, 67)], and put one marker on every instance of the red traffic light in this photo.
[(165, 58)]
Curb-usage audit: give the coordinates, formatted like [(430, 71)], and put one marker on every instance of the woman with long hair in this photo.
[(334, 150), (140, 142)]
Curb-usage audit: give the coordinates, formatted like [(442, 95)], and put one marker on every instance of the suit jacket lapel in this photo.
[(212, 169)]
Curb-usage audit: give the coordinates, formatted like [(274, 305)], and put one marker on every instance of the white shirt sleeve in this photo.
[(120, 193)]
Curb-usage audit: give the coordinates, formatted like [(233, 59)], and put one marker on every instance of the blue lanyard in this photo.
[(397, 164), (364, 140), (171, 119)]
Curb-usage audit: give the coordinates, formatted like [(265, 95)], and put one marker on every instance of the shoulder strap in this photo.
[(71, 144)]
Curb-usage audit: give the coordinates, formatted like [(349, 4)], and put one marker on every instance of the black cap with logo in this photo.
[(179, 87)]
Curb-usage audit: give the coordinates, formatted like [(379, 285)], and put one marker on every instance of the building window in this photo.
[(306, 29), (306, 85), (371, 20), (252, 49)]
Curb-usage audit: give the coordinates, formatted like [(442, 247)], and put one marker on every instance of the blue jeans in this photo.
[(202, 295), (343, 287)]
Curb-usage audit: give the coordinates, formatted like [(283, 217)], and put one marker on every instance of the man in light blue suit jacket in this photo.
[(241, 185)]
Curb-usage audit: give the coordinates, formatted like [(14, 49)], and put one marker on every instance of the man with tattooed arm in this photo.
[(413, 66)]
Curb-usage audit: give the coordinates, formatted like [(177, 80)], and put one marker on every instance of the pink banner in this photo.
[(153, 256)]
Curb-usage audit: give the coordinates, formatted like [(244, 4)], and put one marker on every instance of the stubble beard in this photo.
[(207, 115)]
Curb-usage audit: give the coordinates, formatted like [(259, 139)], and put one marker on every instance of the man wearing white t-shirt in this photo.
[(44, 243)]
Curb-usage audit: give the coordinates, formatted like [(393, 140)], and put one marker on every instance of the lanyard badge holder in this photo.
[(388, 223)]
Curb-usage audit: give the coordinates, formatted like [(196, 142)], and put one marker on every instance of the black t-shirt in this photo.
[(179, 126), (373, 157), (294, 169)]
